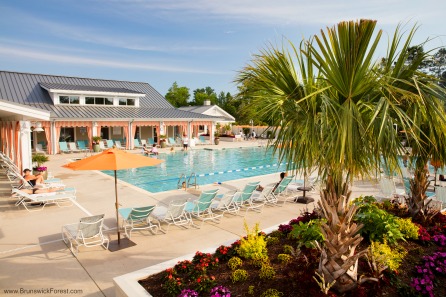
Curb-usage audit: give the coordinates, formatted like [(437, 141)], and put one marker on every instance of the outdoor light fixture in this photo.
[(38, 127)]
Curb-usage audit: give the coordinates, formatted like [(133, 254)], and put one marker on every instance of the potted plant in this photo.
[(38, 161), (216, 138), (96, 140), (163, 143), (228, 129)]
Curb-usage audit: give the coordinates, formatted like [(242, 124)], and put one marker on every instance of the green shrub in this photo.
[(284, 258), (272, 240), (384, 255), (308, 233), (408, 228), (253, 246), (379, 225), (259, 262), (239, 275), (234, 263), (251, 290), (267, 272), (276, 233), (288, 249), (271, 293)]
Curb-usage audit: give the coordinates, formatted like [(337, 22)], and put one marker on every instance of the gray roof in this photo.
[(197, 109), (26, 89), (85, 88)]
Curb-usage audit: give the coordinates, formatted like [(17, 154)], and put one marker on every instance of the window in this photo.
[(98, 101), (66, 134), (69, 99), (127, 101)]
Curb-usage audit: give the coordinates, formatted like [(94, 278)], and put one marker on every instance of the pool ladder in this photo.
[(190, 182)]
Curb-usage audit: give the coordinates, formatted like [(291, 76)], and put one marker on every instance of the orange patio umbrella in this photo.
[(113, 159)]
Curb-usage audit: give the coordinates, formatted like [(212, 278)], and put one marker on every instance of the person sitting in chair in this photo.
[(33, 180)]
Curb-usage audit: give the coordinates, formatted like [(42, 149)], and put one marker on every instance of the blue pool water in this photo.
[(209, 165)]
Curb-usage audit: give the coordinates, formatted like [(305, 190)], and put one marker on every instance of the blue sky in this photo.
[(197, 43)]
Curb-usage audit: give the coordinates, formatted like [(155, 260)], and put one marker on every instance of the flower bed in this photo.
[(283, 262)]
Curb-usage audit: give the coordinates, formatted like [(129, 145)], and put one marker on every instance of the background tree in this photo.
[(200, 95), (178, 96)]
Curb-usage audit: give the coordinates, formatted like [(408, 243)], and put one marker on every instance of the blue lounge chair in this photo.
[(109, 143), (136, 143), (137, 219), (150, 141), (82, 145), (245, 199), (201, 208), (172, 142), (63, 146)]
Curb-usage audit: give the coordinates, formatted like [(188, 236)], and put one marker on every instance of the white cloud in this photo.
[(282, 12), (105, 37), (17, 52)]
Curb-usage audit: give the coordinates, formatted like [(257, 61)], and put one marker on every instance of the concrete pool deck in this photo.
[(33, 256)]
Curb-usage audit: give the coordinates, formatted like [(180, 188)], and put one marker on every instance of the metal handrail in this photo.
[(195, 180), (180, 183)]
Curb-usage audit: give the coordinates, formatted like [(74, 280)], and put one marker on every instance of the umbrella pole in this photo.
[(117, 206)]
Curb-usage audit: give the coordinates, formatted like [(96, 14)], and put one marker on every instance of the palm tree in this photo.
[(340, 119)]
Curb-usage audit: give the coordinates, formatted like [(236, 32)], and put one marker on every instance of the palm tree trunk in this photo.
[(339, 260)]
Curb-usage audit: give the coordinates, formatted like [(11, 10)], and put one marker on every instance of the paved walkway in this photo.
[(33, 256)]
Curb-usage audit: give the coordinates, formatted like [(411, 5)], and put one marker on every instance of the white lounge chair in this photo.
[(102, 146), (388, 190), (72, 147), (266, 196), (225, 203), (137, 218), (119, 146), (174, 214), (88, 233), (33, 202), (39, 149)]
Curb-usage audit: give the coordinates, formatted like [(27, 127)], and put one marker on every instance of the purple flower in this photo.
[(220, 291), (188, 293), (41, 168)]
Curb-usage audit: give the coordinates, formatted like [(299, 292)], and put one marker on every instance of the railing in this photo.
[(182, 180), (194, 183), (185, 183)]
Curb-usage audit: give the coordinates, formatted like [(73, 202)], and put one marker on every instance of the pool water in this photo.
[(209, 165)]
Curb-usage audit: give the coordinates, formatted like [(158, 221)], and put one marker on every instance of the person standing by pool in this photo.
[(185, 142)]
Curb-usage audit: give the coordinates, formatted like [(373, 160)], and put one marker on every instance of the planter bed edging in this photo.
[(127, 285)]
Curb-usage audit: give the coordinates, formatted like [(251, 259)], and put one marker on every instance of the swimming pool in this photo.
[(209, 165)]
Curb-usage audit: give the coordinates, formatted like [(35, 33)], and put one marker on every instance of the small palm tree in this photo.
[(339, 119)]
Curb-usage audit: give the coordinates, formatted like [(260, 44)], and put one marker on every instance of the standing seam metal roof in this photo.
[(26, 89)]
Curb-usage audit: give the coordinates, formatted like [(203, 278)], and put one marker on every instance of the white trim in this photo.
[(220, 110), (32, 113), (99, 93)]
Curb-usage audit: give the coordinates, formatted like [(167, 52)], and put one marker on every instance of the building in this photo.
[(210, 110), (71, 109)]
